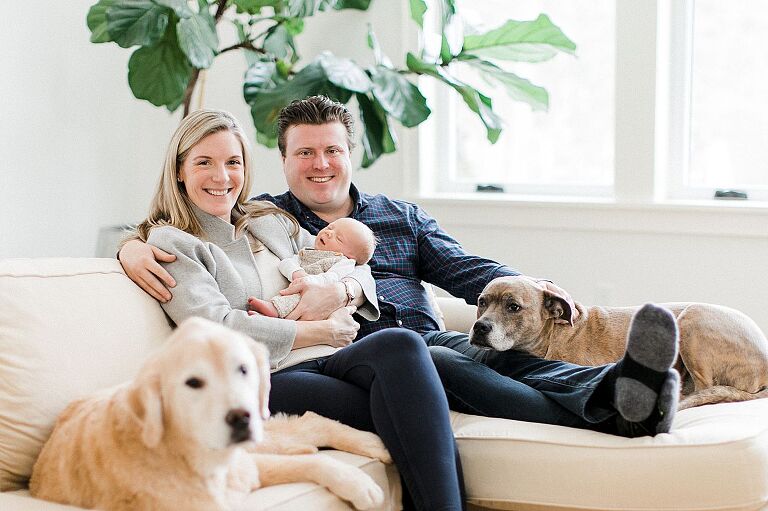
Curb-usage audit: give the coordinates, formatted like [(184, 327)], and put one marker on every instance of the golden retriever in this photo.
[(187, 434)]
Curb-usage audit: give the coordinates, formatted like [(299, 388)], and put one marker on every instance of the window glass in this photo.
[(572, 143), (729, 110)]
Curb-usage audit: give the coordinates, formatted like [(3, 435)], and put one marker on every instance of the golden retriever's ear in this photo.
[(261, 354), (147, 405)]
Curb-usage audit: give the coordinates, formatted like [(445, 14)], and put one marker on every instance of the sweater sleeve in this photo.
[(197, 292)]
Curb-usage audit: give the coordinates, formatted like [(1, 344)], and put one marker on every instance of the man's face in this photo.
[(317, 167)]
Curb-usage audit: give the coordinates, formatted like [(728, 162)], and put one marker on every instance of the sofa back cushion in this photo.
[(68, 327)]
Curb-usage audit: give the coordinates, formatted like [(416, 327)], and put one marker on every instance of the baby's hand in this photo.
[(298, 274)]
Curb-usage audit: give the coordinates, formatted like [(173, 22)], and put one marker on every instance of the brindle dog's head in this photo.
[(513, 311)]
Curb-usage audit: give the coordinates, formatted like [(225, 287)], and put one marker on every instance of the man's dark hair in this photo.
[(315, 110)]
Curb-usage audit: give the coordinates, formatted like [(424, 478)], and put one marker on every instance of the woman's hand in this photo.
[(319, 298), (343, 327), (140, 263), (338, 330)]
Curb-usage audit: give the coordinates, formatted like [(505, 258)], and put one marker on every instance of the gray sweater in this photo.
[(216, 275)]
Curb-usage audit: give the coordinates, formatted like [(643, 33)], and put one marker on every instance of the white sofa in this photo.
[(71, 326)]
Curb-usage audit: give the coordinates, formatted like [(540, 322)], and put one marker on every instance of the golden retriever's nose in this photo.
[(239, 420)]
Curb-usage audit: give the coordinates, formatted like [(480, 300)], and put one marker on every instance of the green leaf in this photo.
[(260, 76), (305, 8), (475, 100), (378, 54), (361, 5), (180, 7), (399, 97), (266, 103), (255, 6), (344, 73), (97, 21), (377, 136), (295, 26), (525, 41), (198, 40), (447, 11), (279, 42), (137, 23), (266, 140), (418, 8), (302, 8), (518, 88), (160, 73)]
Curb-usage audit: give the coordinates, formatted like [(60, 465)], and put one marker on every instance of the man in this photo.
[(315, 139)]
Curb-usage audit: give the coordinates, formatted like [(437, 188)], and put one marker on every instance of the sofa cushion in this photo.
[(67, 328), (715, 458)]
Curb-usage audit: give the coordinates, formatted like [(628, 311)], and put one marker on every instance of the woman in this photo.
[(228, 249)]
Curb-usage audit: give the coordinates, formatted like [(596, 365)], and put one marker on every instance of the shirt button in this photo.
[(400, 322), (381, 298)]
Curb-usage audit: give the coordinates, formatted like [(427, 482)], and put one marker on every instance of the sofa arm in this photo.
[(458, 315)]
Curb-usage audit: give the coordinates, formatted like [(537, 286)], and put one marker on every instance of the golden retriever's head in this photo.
[(208, 385)]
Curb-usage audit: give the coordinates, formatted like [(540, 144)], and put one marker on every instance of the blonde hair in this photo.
[(172, 206)]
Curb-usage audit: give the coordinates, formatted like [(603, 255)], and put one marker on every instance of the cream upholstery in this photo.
[(70, 326)]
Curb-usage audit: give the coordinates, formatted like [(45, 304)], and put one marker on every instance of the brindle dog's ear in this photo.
[(559, 307)]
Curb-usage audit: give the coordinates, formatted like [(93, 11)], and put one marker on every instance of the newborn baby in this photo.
[(340, 246)]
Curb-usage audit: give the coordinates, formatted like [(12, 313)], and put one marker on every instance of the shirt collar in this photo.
[(360, 202), (216, 230)]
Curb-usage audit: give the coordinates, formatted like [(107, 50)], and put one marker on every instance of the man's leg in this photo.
[(642, 387), (474, 388), (569, 385)]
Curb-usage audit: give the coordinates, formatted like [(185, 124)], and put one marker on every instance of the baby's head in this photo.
[(346, 235)]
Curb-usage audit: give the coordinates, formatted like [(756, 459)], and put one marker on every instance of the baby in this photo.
[(340, 246)]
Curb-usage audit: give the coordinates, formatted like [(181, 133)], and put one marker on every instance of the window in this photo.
[(662, 101), (720, 64)]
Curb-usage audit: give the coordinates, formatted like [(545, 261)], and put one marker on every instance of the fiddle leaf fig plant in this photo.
[(175, 40)]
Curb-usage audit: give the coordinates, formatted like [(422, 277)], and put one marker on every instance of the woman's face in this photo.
[(213, 173)]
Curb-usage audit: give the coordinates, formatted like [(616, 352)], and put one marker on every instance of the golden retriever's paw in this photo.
[(369, 444), (353, 485)]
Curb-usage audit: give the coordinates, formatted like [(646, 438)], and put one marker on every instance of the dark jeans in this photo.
[(385, 383), (516, 385)]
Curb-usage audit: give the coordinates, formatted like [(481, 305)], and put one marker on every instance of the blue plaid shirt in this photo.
[(412, 248)]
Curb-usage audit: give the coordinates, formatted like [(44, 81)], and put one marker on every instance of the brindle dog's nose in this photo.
[(481, 328), (238, 419)]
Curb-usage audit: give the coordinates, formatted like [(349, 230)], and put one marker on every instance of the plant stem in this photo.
[(220, 8), (247, 45), (189, 90)]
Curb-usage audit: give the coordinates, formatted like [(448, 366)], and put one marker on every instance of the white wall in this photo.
[(79, 152)]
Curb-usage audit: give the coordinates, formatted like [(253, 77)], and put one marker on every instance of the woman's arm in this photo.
[(197, 293)]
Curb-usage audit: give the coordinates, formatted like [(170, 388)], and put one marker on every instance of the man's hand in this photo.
[(319, 298), (139, 261), (562, 293)]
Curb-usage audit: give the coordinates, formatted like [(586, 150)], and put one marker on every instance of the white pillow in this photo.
[(68, 327)]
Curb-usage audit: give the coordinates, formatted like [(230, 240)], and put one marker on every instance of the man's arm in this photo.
[(140, 263), (444, 262)]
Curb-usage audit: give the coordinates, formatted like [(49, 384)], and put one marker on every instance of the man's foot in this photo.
[(263, 307), (647, 387), (660, 419)]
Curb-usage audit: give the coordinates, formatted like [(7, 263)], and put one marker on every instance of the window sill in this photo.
[(706, 218)]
